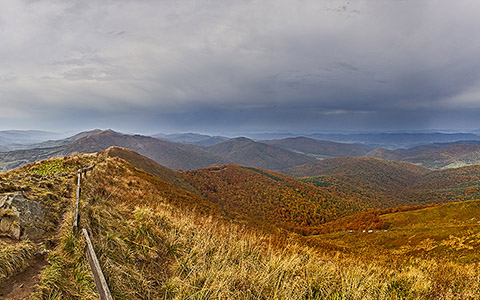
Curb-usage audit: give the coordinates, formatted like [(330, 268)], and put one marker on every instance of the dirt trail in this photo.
[(22, 285)]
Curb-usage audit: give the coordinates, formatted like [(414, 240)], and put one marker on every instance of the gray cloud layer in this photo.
[(258, 64)]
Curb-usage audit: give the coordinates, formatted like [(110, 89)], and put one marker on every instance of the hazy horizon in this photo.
[(259, 133)]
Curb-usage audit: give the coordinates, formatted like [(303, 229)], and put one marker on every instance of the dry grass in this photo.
[(215, 260), (14, 257)]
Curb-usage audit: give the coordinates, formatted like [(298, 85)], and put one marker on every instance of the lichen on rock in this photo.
[(21, 218)]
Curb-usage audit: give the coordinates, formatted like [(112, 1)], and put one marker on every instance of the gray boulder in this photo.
[(21, 218)]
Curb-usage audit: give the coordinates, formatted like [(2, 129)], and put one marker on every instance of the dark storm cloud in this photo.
[(259, 64)]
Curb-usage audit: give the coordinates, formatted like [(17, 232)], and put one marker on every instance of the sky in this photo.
[(217, 66)]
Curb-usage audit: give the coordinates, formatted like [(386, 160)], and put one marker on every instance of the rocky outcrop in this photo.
[(21, 218)]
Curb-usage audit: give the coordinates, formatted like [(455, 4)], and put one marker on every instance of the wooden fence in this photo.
[(100, 282), (77, 200)]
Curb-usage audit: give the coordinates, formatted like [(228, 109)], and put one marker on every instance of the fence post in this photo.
[(77, 200), (75, 216)]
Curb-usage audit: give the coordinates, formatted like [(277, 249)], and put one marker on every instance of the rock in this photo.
[(21, 218), (41, 251)]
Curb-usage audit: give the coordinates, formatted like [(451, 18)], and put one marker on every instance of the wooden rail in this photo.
[(100, 282), (79, 189)]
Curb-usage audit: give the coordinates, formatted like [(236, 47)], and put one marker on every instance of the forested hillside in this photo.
[(390, 183)]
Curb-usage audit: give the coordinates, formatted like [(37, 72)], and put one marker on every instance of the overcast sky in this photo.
[(218, 66)]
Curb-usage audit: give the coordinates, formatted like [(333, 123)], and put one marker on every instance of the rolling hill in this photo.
[(374, 174), (435, 156), (390, 182), (342, 187), (457, 184), (448, 157), (399, 154), (249, 153), (447, 231), (269, 197)]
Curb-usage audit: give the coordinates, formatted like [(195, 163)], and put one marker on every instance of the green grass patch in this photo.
[(51, 167)]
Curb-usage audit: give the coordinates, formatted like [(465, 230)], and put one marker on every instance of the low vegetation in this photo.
[(445, 232), (157, 238)]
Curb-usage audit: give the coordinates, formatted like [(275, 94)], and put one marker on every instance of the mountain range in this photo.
[(319, 148), (199, 151), (170, 154), (390, 140)]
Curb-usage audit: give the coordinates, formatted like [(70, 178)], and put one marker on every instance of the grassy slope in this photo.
[(156, 241), (448, 231)]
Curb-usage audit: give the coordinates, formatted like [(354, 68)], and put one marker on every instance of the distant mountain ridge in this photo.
[(391, 140), (435, 156), (319, 148), (246, 152), (56, 143), (192, 138), (170, 154), (397, 140), (164, 152), (199, 151)]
